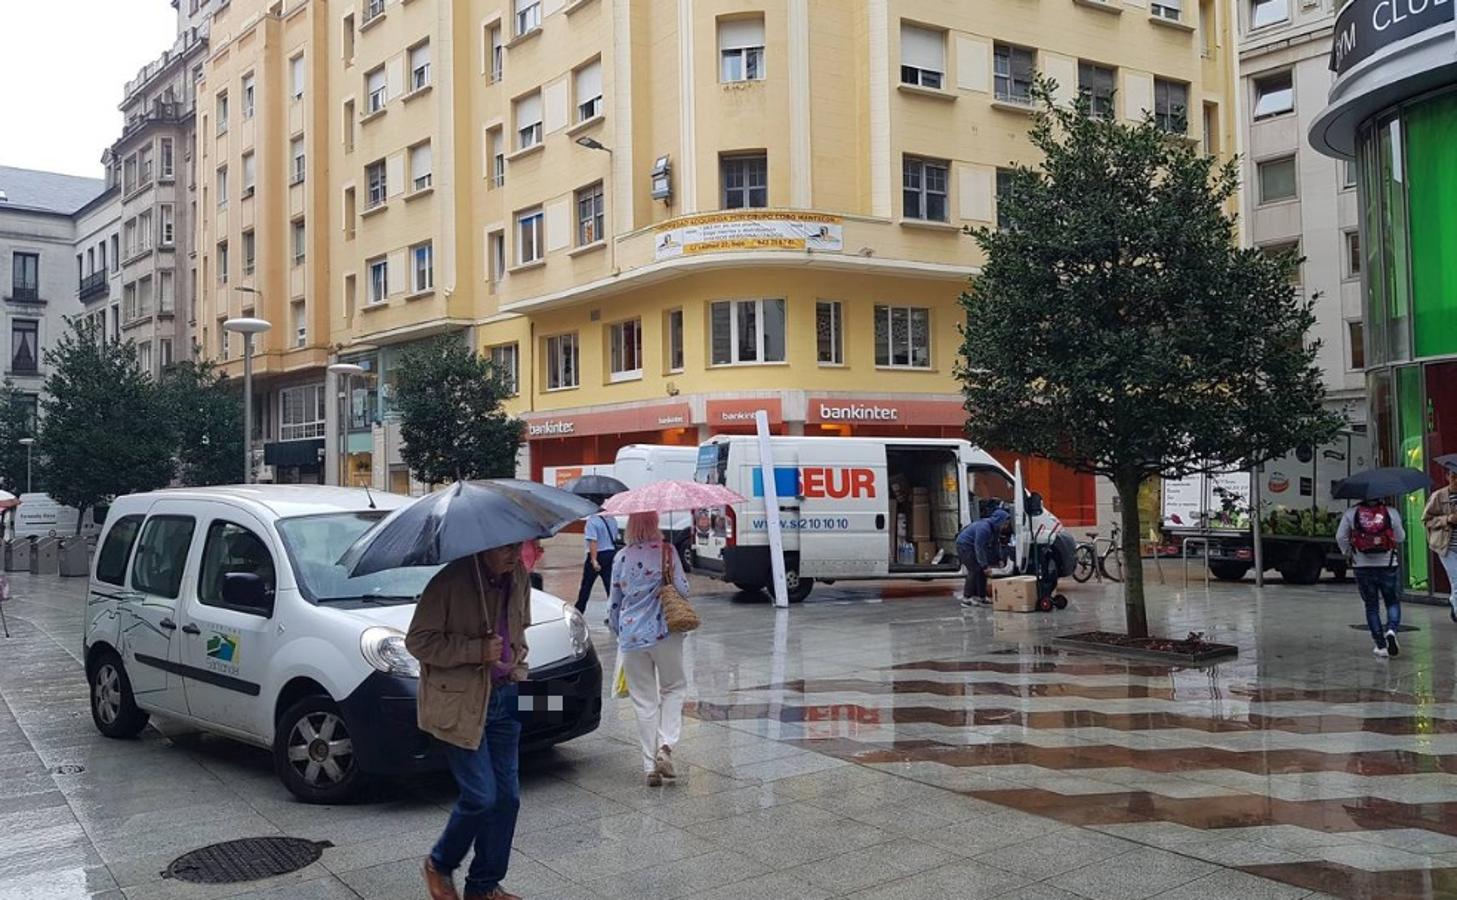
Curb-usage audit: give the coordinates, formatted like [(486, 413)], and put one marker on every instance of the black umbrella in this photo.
[(595, 486), (465, 518), (1396, 481), (1448, 462)]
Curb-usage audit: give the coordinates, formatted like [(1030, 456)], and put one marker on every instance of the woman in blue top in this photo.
[(601, 539), (652, 658)]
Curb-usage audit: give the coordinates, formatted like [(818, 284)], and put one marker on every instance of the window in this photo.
[(747, 331), (1357, 334), (298, 314), (250, 250), (250, 174), (347, 33), (745, 181), (222, 262), (1171, 106), (116, 550), (144, 230), (1268, 12), (1097, 83), (1348, 181), (675, 340), (422, 267), (528, 16), (129, 231), (222, 187), (379, 280), (164, 353), (374, 175), (1291, 251), (144, 356), (372, 9), (377, 88), (498, 157), (498, 54), (1004, 190), (144, 296), (166, 163), (167, 227), (1353, 254), (1277, 179), (24, 346), (903, 337), (923, 56), (420, 66), (166, 294), (162, 556), (741, 49), (25, 276), (529, 236), (296, 76), (222, 113), (624, 345), (1166, 9), (528, 121), (222, 334), (829, 333), (350, 216), (232, 549), (248, 96), (561, 361), (301, 412), (506, 364), (589, 215), (129, 302), (1274, 95), (498, 256), (348, 126), (1014, 69), (420, 166), (300, 242), (923, 185), (587, 82), (296, 153)]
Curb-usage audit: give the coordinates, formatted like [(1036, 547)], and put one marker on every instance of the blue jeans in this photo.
[(490, 796), (1375, 585)]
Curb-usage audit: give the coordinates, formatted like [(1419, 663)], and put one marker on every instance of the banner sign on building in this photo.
[(1365, 27), (756, 230)]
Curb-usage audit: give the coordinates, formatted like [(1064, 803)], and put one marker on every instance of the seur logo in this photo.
[(819, 482)]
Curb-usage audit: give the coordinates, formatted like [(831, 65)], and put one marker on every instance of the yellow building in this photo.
[(651, 211)]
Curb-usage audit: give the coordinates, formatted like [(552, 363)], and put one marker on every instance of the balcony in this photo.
[(25, 293), (95, 285)]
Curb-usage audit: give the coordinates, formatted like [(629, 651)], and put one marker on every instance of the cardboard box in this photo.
[(1015, 594), (926, 552), (921, 521)]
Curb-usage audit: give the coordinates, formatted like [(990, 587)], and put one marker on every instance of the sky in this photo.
[(63, 69)]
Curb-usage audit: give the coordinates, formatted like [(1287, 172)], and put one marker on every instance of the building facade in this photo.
[(1392, 111), (656, 216), (98, 257)]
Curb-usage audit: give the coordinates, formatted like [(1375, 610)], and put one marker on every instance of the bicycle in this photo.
[(1087, 562)]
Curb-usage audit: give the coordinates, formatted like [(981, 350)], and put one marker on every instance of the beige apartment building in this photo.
[(656, 215)]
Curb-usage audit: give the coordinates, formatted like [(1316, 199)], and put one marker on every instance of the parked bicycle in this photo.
[(1088, 562)]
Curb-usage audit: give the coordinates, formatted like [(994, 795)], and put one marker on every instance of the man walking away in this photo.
[(1371, 532), (601, 538), (979, 546)]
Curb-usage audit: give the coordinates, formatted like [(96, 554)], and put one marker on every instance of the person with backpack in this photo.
[(1370, 533)]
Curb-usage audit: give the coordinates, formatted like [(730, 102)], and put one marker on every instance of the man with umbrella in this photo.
[(1440, 517), (1371, 533)]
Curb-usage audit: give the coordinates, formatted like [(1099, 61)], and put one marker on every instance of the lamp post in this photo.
[(247, 328), (345, 372), (591, 143), (27, 443)]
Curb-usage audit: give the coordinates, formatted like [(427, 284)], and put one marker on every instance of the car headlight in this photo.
[(577, 629), (384, 649)]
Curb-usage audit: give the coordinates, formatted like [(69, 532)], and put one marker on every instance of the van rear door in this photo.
[(844, 510)]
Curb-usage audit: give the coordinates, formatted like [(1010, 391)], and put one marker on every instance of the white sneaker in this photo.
[(1392, 647), (1380, 651)]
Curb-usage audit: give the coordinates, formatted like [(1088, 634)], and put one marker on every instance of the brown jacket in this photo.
[(1439, 530), (448, 635)]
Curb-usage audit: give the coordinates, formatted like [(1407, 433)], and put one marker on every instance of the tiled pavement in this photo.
[(875, 742)]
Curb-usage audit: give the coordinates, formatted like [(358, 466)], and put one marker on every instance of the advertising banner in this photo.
[(749, 230)]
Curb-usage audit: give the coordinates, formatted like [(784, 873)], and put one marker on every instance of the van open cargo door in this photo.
[(1021, 540)]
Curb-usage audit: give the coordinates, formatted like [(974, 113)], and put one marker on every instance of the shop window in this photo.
[(624, 345), (1395, 238), (903, 337), (747, 332), (561, 362), (1431, 157), (1410, 451), (1441, 436)]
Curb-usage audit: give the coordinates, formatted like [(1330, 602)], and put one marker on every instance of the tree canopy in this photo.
[(449, 398), (206, 412), (17, 421)]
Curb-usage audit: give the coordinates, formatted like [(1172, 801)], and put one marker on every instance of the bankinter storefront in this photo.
[(1393, 111)]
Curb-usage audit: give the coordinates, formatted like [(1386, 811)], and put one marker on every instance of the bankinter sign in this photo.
[(1365, 27)]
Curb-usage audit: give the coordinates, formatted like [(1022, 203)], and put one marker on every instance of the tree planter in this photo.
[(1193, 650)]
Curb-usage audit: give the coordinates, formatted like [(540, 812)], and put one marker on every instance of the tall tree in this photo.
[(17, 421), (104, 431), (449, 398), (1116, 326), (206, 411)]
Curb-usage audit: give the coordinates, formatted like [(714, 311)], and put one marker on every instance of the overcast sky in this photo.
[(62, 71)]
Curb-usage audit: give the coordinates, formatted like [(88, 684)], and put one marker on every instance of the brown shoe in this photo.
[(655, 780), (438, 885), (664, 762)]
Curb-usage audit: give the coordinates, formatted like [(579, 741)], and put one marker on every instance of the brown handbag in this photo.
[(678, 613)]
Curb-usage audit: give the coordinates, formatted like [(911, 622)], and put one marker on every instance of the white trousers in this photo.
[(1449, 562), (657, 685)]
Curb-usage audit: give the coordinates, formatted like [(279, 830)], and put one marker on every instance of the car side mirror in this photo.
[(1034, 504), (244, 590)]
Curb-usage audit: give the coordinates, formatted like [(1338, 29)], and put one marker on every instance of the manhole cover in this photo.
[(68, 769), (248, 859)]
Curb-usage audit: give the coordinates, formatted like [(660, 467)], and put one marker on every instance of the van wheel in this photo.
[(798, 588), (745, 587), (313, 752), (113, 706)]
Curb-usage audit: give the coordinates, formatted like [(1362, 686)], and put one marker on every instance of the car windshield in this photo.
[(314, 545)]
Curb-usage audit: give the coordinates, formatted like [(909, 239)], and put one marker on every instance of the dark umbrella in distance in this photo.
[(595, 486), (1395, 481), (465, 518), (1448, 462)]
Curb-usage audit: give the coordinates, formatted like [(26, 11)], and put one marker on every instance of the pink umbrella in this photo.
[(669, 496)]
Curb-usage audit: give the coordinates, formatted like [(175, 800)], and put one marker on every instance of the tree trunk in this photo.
[(1133, 607), (80, 514)]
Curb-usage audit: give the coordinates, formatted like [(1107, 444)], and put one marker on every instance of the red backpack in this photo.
[(1373, 532)]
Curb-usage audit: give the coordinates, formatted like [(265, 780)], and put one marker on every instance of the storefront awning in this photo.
[(303, 454)]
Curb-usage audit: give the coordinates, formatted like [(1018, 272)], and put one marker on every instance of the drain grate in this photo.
[(68, 769), (248, 859)]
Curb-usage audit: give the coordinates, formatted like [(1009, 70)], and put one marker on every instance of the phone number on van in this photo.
[(813, 524)]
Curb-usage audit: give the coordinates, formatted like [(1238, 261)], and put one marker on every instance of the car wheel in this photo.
[(798, 588), (313, 752), (113, 706), (1229, 571)]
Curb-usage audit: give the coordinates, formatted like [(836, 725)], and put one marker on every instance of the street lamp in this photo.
[(345, 372), (27, 443), (247, 328)]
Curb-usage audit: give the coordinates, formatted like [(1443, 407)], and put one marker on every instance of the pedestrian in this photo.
[(979, 546), (1440, 517), (601, 539), (531, 554), (652, 658), (469, 634), (1370, 532)]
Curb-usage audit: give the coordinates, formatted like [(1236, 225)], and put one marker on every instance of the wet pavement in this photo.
[(876, 741)]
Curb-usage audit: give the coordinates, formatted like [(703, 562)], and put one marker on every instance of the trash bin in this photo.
[(75, 557), (45, 559), (17, 555)]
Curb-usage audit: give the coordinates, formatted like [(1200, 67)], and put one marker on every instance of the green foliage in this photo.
[(104, 431), (449, 399), (1117, 327), (206, 412), (16, 422)]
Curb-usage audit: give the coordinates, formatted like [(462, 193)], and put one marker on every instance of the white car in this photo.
[(225, 608)]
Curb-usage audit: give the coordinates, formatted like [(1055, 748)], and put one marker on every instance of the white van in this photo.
[(844, 509), (225, 608), (642, 464)]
